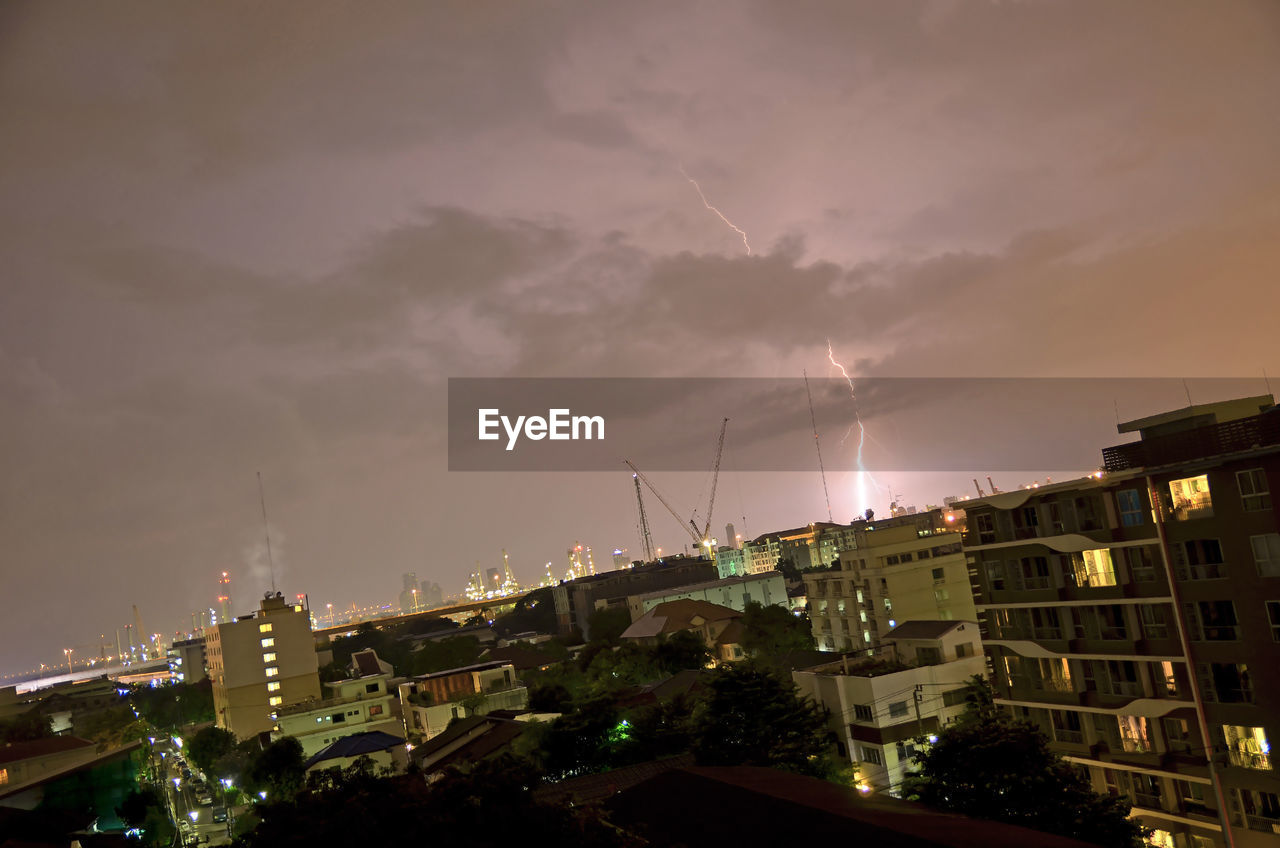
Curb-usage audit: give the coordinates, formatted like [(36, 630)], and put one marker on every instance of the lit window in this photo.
[(272, 671), (4, 776), (264, 628), (269, 642), (273, 686), (275, 701), (1248, 746), (871, 755), (1255, 492), (269, 658), (1190, 497), (1094, 568)]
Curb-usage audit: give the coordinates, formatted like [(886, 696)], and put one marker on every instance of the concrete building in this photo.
[(731, 562), (880, 706), (576, 600), (430, 701), (767, 589), (1135, 615), (187, 660), (366, 702), (385, 750), (897, 569), (260, 663)]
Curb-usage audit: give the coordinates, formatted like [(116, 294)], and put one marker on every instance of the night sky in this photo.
[(260, 237)]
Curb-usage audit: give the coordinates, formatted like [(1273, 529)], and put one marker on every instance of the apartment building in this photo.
[(366, 702), (767, 589), (260, 663), (429, 702), (1135, 615), (881, 706), (908, 567)]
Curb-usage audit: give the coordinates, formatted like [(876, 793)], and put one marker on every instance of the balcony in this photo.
[(1250, 760), (1205, 571), (1213, 440), (1263, 824)]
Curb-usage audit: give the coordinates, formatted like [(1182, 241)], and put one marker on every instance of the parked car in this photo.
[(220, 813)]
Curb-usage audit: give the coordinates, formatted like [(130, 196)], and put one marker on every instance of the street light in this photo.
[(69, 652)]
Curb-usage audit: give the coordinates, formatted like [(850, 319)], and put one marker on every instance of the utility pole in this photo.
[(918, 696)]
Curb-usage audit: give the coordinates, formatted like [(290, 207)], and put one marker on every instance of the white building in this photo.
[(365, 703), (881, 706)]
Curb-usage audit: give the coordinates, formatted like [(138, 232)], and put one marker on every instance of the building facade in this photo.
[(767, 589), (897, 569), (1135, 615), (260, 663), (881, 706)]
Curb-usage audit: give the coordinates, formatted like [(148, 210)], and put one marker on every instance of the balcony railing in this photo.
[(1249, 760), (1213, 440), (1265, 824), (1204, 571)]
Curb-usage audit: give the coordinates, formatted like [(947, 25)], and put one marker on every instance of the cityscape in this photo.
[(657, 425)]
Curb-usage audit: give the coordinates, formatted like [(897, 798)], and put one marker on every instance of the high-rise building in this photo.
[(224, 597), (432, 595), (906, 568), (621, 558), (260, 662), (411, 599), (1135, 616)]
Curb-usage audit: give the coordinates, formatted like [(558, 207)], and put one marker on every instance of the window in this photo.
[(1142, 567), (872, 755), (892, 559), (1066, 726), (264, 628), (964, 649), (897, 709), (273, 686), (1094, 568), (1198, 559), (923, 553), (940, 595), (1225, 683), (269, 642), (1177, 734), (269, 657), (907, 557), (1266, 554), (1190, 498), (1155, 622), (376, 709), (1248, 746), (1255, 493), (4, 776), (955, 697), (1273, 615), (272, 671), (995, 574), (275, 701), (1213, 621), (338, 718), (370, 688), (862, 712), (1035, 572), (928, 656), (1130, 503), (938, 575), (986, 529)]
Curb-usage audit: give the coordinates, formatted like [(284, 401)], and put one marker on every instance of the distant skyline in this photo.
[(243, 239)]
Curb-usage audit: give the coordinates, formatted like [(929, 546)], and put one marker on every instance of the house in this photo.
[(386, 750), (718, 626), (367, 701), (429, 702)]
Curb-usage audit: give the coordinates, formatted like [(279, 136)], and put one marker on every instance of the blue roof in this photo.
[(354, 745)]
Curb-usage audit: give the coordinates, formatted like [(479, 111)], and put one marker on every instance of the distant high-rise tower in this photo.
[(224, 597), (621, 559), (410, 598), (731, 536)]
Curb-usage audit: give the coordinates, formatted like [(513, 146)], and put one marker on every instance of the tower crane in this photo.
[(644, 522), (701, 537)]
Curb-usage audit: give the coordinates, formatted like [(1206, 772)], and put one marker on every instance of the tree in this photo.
[(990, 765), (607, 625), (772, 630), (681, 650), (279, 769), (208, 746), (25, 727), (754, 717), (145, 810)]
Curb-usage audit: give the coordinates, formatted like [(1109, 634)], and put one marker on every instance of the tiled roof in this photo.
[(923, 629)]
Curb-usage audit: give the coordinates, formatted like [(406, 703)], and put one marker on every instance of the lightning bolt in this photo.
[(707, 204), (863, 473)]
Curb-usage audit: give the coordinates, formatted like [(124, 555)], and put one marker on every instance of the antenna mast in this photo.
[(822, 471), (266, 531)]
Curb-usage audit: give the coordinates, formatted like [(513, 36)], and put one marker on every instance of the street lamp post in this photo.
[(69, 652)]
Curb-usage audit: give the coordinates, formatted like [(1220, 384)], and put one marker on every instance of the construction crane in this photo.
[(701, 537), (644, 522)]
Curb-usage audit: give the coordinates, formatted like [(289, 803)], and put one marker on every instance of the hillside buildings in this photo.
[(1135, 615), (259, 664)]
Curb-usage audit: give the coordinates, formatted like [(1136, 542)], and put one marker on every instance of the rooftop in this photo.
[(925, 629), (355, 745), (17, 751)]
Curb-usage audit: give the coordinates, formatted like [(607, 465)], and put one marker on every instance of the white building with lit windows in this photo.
[(260, 663), (880, 707)]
